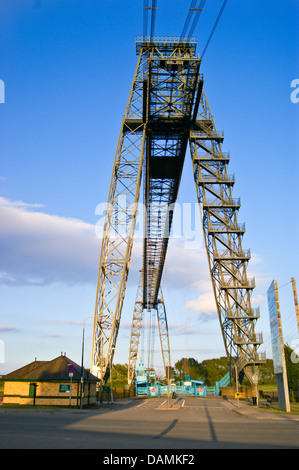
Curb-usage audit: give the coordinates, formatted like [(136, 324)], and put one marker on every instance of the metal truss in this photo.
[(223, 238), (138, 322), (167, 109), (135, 331), (163, 331), (117, 238), (171, 86)]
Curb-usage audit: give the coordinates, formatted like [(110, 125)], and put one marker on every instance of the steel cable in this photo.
[(195, 13), (146, 7), (214, 27)]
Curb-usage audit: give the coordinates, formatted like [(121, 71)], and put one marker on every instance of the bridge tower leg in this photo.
[(138, 322), (118, 232), (223, 240)]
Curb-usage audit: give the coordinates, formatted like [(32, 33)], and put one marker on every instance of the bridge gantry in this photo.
[(167, 110)]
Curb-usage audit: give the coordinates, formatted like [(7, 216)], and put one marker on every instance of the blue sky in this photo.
[(67, 66)]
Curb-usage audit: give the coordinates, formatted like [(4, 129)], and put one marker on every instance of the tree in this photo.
[(213, 370), (180, 370), (266, 373), (210, 370), (119, 375), (292, 370)]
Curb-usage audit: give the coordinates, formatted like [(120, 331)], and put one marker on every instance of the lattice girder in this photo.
[(223, 238), (118, 231), (167, 108), (138, 322)]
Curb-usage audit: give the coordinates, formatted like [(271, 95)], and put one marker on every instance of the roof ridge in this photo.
[(53, 370), (22, 371)]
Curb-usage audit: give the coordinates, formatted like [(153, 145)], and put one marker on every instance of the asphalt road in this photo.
[(193, 423)]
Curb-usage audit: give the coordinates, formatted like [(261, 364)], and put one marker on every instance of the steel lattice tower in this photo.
[(167, 110)]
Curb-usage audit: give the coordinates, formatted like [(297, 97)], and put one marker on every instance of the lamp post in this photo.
[(237, 385), (111, 391), (82, 364)]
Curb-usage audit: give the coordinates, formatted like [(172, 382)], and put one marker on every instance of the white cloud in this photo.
[(38, 248), (258, 299), (204, 305), (18, 204), (8, 329), (186, 266), (61, 322)]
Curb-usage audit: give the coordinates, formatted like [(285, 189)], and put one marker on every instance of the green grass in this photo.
[(274, 408), (268, 387)]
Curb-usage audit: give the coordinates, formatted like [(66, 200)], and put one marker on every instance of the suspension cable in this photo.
[(196, 18), (195, 14), (214, 27), (145, 16), (152, 6), (188, 18), (153, 22)]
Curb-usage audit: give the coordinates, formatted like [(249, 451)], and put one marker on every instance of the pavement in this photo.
[(243, 408), (246, 408)]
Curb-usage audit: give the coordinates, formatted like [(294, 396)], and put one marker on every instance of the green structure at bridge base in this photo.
[(147, 385)]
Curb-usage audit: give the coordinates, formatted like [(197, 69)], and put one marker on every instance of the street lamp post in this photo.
[(111, 391), (82, 365), (237, 385)]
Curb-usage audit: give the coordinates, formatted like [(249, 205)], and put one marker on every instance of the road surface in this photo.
[(190, 423)]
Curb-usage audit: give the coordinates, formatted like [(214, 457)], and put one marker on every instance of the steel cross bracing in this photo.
[(138, 322), (223, 238), (119, 227), (172, 79), (167, 108)]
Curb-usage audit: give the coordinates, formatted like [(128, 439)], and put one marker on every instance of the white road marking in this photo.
[(142, 403)]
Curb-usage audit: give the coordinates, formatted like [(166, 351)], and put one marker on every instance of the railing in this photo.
[(219, 202), (217, 158), (217, 179), (260, 357), (224, 228), (224, 382), (208, 134), (245, 361), (211, 391), (158, 390), (166, 39), (253, 313), (256, 338), (238, 284), (228, 255)]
